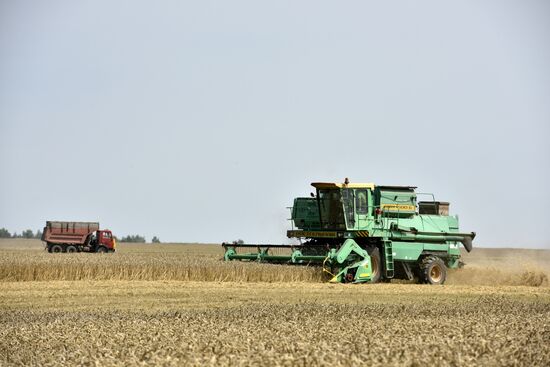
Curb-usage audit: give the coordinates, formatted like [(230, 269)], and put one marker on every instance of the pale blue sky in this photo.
[(201, 121)]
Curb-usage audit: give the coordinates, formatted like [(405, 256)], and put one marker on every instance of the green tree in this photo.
[(4, 233), (38, 234), (28, 233), (155, 239), (133, 238)]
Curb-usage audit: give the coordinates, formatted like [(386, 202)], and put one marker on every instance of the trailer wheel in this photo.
[(71, 249), (374, 254), (56, 249), (101, 249), (432, 270)]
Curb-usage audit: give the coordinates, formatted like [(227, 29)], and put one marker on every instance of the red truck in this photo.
[(77, 237)]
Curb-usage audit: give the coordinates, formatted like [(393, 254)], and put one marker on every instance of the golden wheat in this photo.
[(202, 262), (198, 323), (145, 262), (177, 305)]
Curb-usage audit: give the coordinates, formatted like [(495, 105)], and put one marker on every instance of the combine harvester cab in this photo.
[(367, 233)]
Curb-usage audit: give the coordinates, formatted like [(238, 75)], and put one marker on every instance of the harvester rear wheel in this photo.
[(57, 249), (432, 270), (71, 249), (374, 254)]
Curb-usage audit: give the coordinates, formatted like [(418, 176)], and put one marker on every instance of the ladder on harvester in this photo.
[(388, 259)]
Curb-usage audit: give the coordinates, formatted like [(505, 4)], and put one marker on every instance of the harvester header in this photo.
[(362, 232)]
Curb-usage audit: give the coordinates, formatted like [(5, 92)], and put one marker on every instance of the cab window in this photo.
[(361, 204), (347, 200)]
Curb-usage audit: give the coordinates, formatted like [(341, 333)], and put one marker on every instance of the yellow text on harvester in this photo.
[(398, 207)]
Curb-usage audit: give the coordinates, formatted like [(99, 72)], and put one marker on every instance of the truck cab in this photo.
[(105, 241)]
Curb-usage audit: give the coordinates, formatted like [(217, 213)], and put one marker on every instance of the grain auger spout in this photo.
[(362, 232), (399, 232)]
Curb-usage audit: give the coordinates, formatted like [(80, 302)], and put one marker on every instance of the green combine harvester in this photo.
[(363, 233)]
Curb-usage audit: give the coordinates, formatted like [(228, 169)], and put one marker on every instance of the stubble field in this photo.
[(180, 305)]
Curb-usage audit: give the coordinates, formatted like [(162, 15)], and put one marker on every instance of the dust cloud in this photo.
[(501, 267)]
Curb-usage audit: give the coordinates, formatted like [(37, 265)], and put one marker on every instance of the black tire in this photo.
[(101, 249), (376, 264), (432, 270), (49, 247), (56, 249), (71, 249)]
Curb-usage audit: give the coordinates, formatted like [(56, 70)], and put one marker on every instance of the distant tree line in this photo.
[(133, 238), (28, 233), (136, 238)]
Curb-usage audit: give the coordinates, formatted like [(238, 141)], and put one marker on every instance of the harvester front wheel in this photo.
[(433, 270), (102, 249), (374, 254)]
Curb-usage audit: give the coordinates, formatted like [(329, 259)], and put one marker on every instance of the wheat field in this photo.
[(180, 305), (199, 262), (26, 260)]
